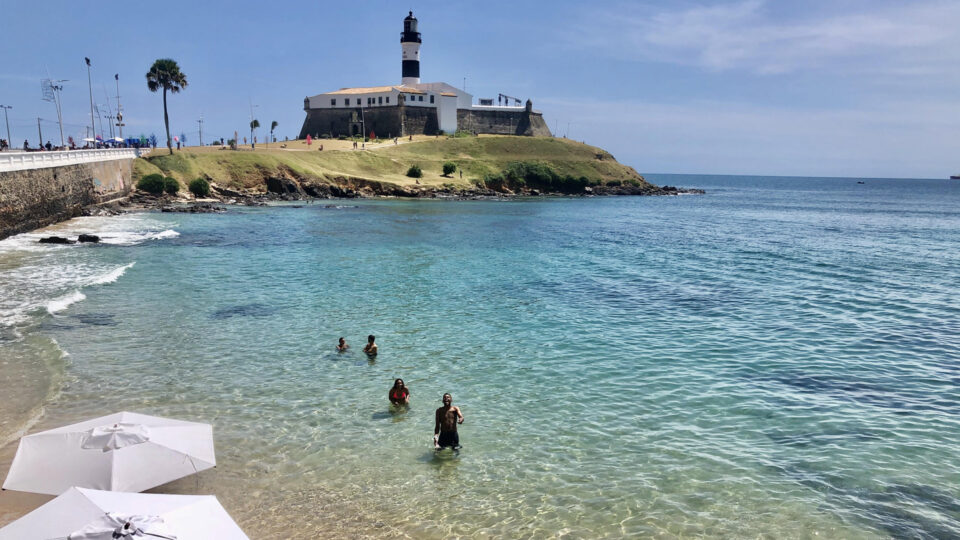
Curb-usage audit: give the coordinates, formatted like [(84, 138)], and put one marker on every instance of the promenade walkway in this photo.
[(19, 160)]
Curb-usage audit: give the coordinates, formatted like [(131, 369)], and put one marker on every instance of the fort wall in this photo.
[(34, 198), (400, 121)]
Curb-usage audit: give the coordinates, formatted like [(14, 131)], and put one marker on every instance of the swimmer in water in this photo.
[(371, 347), (399, 394), (445, 427), (342, 345)]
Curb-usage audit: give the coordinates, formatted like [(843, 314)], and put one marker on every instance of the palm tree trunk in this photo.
[(166, 120)]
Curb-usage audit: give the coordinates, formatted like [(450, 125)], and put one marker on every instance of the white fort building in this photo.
[(413, 107)]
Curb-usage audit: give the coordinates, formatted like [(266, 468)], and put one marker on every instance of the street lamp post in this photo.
[(119, 114), (93, 125), (100, 119), (57, 88), (5, 108)]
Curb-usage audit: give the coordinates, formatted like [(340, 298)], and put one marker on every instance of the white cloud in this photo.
[(744, 35)]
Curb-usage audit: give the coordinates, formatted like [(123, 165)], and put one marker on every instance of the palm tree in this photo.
[(165, 73), (273, 126), (254, 124)]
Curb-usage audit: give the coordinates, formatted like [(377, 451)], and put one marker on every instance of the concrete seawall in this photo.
[(31, 198)]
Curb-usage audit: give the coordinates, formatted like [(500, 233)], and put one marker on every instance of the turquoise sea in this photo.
[(778, 358)]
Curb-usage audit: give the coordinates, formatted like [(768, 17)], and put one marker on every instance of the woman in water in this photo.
[(399, 394), (342, 345)]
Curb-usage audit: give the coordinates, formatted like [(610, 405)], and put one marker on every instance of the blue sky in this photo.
[(820, 88)]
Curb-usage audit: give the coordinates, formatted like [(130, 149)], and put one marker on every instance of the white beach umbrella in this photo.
[(89, 514), (120, 452)]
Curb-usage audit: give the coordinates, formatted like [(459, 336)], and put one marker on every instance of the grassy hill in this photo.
[(386, 162)]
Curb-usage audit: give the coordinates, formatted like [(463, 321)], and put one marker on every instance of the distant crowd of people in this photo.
[(446, 418), (50, 147)]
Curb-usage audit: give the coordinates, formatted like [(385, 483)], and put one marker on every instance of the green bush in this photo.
[(449, 168), (199, 187), (171, 186), (415, 172), (152, 183), (614, 183), (494, 181), (540, 176)]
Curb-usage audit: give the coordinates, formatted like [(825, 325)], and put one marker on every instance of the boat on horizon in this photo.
[(955, 176)]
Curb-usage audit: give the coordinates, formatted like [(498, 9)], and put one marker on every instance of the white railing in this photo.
[(18, 161)]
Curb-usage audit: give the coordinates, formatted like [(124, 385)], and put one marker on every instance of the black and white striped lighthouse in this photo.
[(410, 44)]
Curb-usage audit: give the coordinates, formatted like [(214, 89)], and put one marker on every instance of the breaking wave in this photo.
[(62, 303), (112, 275)]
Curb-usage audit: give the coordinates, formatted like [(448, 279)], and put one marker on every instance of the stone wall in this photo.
[(400, 121), (385, 122), (498, 122), (420, 121), (34, 198)]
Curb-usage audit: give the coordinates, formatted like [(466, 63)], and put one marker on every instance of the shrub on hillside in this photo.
[(152, 183), (494, 181), (449, 168), (540, 176), (415, 172), (199, 187), (171, 186)]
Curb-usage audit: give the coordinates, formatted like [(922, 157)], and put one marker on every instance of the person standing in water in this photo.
[(342, 345), (399, 394), (370, 348), (445, 428)]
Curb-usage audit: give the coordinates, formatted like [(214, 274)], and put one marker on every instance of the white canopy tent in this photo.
[(120, 452), (89, 514)]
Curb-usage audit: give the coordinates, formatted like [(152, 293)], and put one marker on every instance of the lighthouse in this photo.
[(410, 44)]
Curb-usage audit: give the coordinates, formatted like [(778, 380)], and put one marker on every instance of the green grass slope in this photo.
[(475, 156)]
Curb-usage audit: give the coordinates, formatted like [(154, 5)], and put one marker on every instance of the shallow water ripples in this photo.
[(628, 367)]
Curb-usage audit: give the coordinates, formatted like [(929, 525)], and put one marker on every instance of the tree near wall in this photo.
[(273, 126), (165, 74), (254, 124)]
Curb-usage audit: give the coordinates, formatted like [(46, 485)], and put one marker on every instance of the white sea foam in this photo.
[(127, 230), (169, 233), (62, 303), (132, 238), (112, 275)]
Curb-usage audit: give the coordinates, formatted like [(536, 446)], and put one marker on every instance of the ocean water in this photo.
[(778, 358)]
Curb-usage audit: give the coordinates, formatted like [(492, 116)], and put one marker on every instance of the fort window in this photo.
[(380, 100), (431, 98), (388, 100), (420, 98), (333, 103)]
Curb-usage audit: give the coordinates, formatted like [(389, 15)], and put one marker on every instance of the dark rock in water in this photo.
[(56, 240), (198, 208), (92, 238), (96, 319), (245, 310)]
